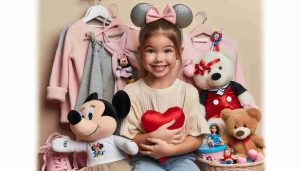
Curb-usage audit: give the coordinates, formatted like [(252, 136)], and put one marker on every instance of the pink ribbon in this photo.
[(168, 14)]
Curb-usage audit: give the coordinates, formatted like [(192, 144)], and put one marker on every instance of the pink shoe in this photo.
[(55, 161)]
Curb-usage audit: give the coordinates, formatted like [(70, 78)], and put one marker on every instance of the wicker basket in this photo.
[(210, 166)]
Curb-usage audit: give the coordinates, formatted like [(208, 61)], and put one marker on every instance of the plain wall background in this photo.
[(240, 20)]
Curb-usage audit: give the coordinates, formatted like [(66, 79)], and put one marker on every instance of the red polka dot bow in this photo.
[(202, 66)]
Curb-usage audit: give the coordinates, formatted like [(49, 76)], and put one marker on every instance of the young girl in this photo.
[(158, 90)]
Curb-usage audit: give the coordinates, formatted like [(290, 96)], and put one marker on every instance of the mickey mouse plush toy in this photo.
[(95, 124)]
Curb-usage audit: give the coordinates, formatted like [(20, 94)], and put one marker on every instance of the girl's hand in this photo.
[(160, 148), (175, 136)]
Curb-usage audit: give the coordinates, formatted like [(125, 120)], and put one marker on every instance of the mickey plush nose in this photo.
[(216, 76), (74, 117)]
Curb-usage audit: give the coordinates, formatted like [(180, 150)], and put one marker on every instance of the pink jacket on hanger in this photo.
[(68, 65)]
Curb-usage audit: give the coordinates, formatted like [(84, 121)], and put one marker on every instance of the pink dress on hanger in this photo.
[(193, 48), (120, 48)]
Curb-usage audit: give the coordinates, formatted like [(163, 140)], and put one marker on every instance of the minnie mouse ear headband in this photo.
[(144, 13)]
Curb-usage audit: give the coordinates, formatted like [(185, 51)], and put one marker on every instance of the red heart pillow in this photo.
[(152, 120)]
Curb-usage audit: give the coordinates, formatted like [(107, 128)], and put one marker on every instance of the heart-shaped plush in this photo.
[(152, 120)]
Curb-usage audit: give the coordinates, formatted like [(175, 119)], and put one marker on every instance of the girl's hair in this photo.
[(217, 127), (160, 27)]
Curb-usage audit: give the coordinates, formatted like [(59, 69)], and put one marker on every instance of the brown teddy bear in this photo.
[(240, 127)]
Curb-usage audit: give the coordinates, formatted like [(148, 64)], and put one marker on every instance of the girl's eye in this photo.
[(150, 51), (220, 68), (245, 125), (168, 51), (235, 127)]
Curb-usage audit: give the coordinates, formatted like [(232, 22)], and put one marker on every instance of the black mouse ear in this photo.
[(121, 101), (93, 96)]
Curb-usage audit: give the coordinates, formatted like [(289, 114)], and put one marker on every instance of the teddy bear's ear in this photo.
[(121, 101), (93, 96), (225, 114), (255, 113)]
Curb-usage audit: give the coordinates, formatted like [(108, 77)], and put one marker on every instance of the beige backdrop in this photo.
[(240, 20)]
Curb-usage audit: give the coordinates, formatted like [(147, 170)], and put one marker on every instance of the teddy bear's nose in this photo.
[(240, 133), (216, 76)]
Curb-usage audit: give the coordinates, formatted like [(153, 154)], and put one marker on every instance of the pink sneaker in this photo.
[(55, 161)]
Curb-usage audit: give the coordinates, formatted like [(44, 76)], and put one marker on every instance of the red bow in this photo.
[(202, 66)]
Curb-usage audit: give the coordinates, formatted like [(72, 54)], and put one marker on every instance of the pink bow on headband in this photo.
[(153, 14), (202, 66)]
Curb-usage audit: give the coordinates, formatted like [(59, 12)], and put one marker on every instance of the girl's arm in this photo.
[(174, 136), (161, 148)]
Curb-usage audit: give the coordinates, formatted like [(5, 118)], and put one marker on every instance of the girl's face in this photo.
[(159, 57)]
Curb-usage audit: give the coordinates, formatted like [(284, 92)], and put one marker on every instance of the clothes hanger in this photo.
[(115, 21), (202, 28), (97, 12)]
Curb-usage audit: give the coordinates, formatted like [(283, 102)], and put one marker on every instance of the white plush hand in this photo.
[(63, 144), (188, 68), (131, 147), (126, 145), (246, 100)]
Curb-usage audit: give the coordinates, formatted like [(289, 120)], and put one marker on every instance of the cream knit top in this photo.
[(179, 94)]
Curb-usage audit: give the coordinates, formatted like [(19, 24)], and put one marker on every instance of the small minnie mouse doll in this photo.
[(124, 70), (214, 138)]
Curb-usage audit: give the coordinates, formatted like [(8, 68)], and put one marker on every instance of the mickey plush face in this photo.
[(123, 62), (98, 118), (213, 70), (240, 123)]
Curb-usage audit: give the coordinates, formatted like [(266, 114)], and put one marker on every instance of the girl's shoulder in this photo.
[(188, 86), (189, 90), (133, 86)]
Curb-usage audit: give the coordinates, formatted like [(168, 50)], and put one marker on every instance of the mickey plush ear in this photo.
[(184, 15), (93, 96), (138, 14), (121, 101)]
